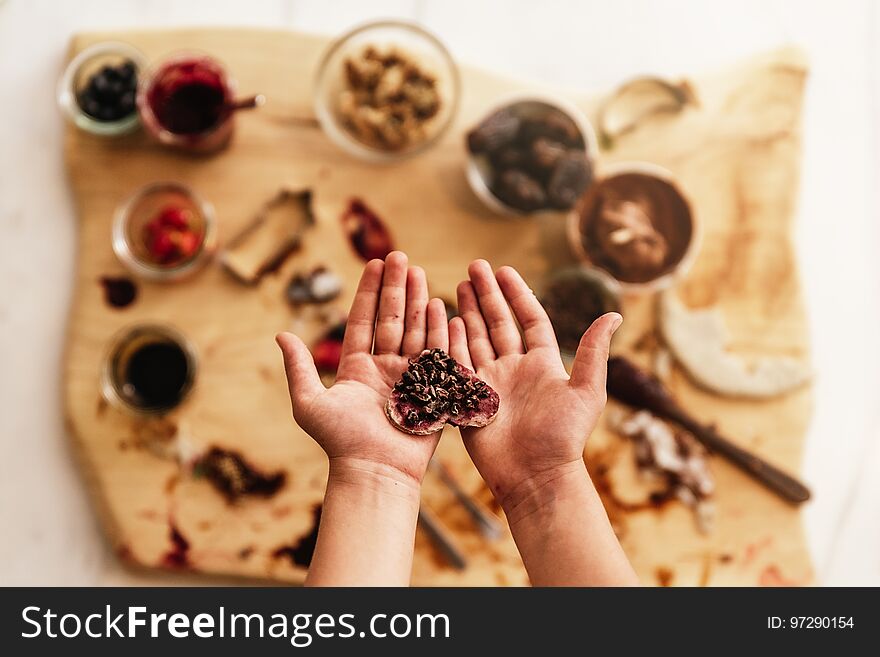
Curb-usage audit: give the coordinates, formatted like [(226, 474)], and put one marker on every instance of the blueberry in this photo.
[(126, 70), (126, 101), (106, 113), (91, 106), (109, 72), (109, 94)]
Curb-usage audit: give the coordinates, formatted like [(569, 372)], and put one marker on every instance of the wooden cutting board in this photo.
[(736, 155)]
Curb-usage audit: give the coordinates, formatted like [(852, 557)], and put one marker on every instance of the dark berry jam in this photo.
[(189, 96)]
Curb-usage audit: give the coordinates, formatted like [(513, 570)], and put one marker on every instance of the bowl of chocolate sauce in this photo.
[(636, 226), (150, 369)]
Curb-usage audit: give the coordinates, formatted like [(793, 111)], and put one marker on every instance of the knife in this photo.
[(441, 539), (636, 387), (486, 521)]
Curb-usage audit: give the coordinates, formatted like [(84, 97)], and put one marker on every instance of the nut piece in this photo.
[(389, 101), (674, 459), (628, 236)]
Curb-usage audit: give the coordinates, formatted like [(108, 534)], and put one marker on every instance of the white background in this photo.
[(49, 533)]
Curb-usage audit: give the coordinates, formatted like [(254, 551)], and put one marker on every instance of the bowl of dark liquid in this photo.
[(150, 369), (186, 102)]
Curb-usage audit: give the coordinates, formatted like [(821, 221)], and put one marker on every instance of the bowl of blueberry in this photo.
[(98, 90)]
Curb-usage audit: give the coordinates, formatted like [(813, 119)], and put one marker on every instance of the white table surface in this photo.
[(49, 532)]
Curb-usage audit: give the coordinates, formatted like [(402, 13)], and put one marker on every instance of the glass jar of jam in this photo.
[(187, 102)]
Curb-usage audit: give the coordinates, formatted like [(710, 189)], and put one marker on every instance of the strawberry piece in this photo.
[(175, 217), (327, 354)]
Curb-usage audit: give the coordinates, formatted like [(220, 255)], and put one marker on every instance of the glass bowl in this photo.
[(76, 76), (133, 215), (116, 386), (479, 170), (178, 65), (568, 282), (671, 272), (410, 39)]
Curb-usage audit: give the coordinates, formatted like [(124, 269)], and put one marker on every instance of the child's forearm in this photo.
[(367, 528), (563, 534)]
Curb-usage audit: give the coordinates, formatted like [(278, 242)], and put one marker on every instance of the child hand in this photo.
[(545, 416), (390, 321)]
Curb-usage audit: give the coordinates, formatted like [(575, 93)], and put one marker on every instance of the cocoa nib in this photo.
[(234, 477), (434, 390), (300, 553)]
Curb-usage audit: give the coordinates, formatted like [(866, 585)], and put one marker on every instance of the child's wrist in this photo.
[(544, 491), (372, 479)]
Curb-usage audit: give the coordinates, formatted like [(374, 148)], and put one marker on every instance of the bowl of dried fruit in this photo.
[(531, 154), (386, 90), (164, 232)]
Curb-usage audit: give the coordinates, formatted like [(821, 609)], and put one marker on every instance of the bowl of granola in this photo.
[(386, 90)]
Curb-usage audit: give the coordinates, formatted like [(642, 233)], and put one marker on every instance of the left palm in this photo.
[(391, 320)]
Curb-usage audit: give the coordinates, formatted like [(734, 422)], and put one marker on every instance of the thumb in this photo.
[(590, 365), (302, 377)]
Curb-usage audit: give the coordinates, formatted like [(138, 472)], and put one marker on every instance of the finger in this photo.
[(496, 313), (458, 347), (537, 330), (392, 305), (415, 325), (362, 316), (303, 381), (438, 327), (590, 365), (479, 344)]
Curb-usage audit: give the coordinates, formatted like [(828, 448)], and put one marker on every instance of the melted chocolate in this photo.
[(667, 209)]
